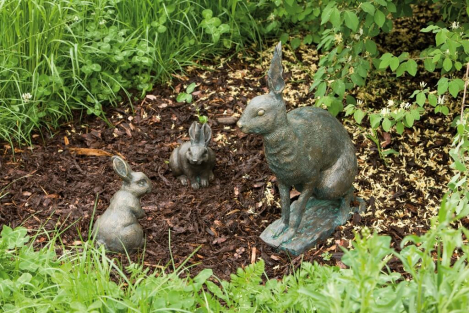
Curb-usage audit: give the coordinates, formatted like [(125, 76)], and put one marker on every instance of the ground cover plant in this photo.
[(411, 152), (61, 56)]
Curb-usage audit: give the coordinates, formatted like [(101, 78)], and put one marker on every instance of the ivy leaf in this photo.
[(351, 20), (412, 67), (379, 18)]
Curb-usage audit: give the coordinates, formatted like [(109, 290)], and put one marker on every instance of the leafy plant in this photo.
[(186, 96)]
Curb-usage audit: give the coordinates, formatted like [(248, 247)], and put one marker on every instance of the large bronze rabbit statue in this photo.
[(307, 148)]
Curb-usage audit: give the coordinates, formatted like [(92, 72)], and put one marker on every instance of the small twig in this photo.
[(464, 94)]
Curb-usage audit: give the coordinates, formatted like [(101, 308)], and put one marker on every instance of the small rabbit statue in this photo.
[(118, 229), (307, 148), (193, 161)]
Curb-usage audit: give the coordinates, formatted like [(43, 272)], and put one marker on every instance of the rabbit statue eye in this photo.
[(260, 112), (142, 183)]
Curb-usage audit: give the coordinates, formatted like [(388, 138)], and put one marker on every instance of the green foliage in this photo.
[(60, 56), (344, 30), (80, 279), (186, 96)]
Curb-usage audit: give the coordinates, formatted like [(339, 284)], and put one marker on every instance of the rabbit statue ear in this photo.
[(274, 76), (194, 131), (207, 133), (121, 168)]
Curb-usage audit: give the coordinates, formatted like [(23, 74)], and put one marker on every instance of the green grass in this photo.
[(84, 279), (64, 55)]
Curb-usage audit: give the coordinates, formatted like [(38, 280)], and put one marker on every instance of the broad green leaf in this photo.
[(336, 107), (421, 98), (429, 28), (409, 118), (447, 64), (335, 18), (387, 124), (207, 14), (442, 85), (308, 39), (339, 87), (401, 69), (351, 20), (368, 7), (441, 37), (326, 14), (453, 88), (295, 43), (190, 88), (412, 67), (321, 90), (394, 64), (357, 80), (432, 99), (429, 65), (385, 60), (375, 120), (415, 113), (370, 46), (358, 116), (379, 18), (399, 128)]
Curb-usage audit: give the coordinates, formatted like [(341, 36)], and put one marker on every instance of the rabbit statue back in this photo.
[(193, 161), (117, 228), (307, 148)]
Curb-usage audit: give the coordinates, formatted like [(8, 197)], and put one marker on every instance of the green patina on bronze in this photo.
[(118, 228), (309, 149), (193, 161)]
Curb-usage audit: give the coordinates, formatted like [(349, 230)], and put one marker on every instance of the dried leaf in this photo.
[(89, 151)]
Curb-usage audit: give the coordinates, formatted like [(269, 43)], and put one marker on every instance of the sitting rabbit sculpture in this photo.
[(118, 229), (307, 148), (193, 161)]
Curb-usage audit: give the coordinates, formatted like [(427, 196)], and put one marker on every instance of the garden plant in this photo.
[(81, 79)]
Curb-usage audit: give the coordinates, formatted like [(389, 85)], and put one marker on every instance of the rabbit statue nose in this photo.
[(239, 124)]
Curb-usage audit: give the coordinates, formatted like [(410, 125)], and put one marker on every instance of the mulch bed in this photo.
[(54, 184)]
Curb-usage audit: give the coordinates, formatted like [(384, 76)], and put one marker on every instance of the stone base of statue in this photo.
[(319, 221)]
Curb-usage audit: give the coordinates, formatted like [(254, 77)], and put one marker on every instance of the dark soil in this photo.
[(56, 183)]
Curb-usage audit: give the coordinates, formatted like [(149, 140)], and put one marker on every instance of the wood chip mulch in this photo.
[(56, 183)]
